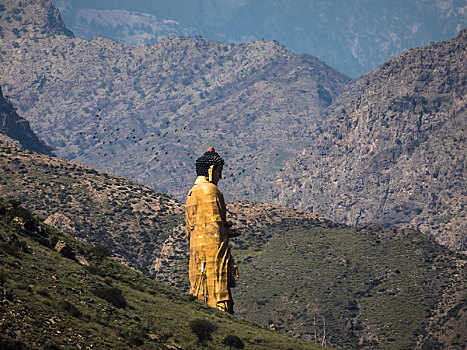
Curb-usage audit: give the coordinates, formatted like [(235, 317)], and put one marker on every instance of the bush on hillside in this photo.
[(202, 329), (111, 294), (233, 342)]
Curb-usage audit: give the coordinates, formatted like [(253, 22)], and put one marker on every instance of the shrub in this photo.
[(134, 336), (44, 292), (53, 241), (13, 247), (138, 287), (202, 329), (99, 252), (65, 305), (8, 249), (7, 344), (51, 346), (233, 341), (95, 270), (3, 277), (166, 336), (111, 294)]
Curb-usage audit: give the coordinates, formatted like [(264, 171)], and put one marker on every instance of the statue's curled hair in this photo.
[(204, 162)]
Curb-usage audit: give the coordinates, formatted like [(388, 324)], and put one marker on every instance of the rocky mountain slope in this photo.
[(146, 112), (134, 220), (16, 128), (373, 286), (67, 298), (354, 36), (397, 154)]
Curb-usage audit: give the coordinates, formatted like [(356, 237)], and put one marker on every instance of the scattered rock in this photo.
[(81, 260), (154, 337), (65, 250)]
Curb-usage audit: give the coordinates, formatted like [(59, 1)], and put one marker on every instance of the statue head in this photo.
[(210, 164)]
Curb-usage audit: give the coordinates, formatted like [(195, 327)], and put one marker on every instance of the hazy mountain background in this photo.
[(147, 112), (353, 36)]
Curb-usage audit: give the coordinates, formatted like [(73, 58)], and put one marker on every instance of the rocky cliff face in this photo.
[(30, 20), (148, 112), (17, 128), (396, 155), (393, 155)]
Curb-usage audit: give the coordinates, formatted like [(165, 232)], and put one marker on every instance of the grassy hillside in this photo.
[(372, 286), (95, 207), (377, 286), (53, 302)]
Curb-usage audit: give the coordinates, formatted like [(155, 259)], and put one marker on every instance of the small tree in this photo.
[(99, 252), (202, 329), (233, 341)]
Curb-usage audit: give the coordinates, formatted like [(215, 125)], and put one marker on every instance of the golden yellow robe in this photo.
[(212, 268)]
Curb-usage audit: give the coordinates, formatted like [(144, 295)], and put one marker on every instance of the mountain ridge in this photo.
[(396, 154), (353, 36), (193, 93), (17, 128)]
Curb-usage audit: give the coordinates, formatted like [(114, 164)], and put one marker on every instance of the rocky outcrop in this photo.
[(396, 155), (30, 20), (17, 128)]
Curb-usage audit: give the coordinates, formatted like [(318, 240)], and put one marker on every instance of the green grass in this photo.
[(362, 281), (49, 300)]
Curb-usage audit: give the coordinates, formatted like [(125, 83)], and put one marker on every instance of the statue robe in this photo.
[(212, 268)]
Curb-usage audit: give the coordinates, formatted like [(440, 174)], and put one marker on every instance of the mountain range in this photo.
[(174, 100), (354, 36), (397, 154), (147, 112), (387, 148)]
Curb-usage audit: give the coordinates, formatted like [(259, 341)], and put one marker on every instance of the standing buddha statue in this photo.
[(212, 268)]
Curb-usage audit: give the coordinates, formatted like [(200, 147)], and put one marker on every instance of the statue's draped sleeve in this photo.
[(212, 269)]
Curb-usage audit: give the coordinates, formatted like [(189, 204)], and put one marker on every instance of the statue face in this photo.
[(217, 174)]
